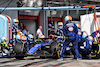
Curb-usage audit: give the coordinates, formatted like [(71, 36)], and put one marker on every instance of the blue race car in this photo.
[(43, 47)]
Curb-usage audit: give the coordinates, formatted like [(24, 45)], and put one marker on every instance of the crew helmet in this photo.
[(30, 37), (91, 38), (67, 18), (60, 25), (15, 21), (84, 34), (3, 39), (78, 26), (18, 37)]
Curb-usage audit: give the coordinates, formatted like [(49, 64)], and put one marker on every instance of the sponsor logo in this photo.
[(70, 28), (79, 32), (90, 42)]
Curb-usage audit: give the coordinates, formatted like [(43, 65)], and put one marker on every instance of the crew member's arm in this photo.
[(76, 29), (64, 31)]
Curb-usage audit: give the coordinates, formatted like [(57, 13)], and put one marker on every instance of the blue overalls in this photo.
[(94, 33), (59, 32), (14, 32), (87, 47), (70, 30), (79, 36)]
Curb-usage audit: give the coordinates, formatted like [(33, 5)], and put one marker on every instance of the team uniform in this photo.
[(88, 41), (14, 29)]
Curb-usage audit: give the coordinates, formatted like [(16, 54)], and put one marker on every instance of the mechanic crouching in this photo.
[(30, 41), (3, 47), (70, 31), (86, 50)]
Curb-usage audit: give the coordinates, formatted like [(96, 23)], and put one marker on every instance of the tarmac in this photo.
[(32, 61)]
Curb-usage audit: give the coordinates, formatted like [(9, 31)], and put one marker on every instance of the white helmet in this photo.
[(30, 37), (84, 34), (78, 26), (3, 39), (67, 18), (18, 37), (60, 25), (91, 38)]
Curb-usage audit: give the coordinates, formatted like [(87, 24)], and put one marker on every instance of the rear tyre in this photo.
[(95, 53), (54, 49), (57, 51)]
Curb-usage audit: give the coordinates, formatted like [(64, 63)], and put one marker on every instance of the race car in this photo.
[(43, 47)]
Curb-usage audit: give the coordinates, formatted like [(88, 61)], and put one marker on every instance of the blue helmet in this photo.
[(30, 37), (15, 21), (67, 18), (3, 39)]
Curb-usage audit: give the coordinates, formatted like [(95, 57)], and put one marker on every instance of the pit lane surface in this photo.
[(48, 62)]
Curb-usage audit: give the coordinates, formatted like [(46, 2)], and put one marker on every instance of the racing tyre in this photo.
[(95, 53), (20, 50), (56, 49)]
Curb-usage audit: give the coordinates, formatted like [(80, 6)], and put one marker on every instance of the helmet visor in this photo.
[(60, 25), (16, 22)]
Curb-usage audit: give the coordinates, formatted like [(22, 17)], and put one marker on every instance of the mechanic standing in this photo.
[(14, 29), (59, 31), (70, 31), (79, 36)]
